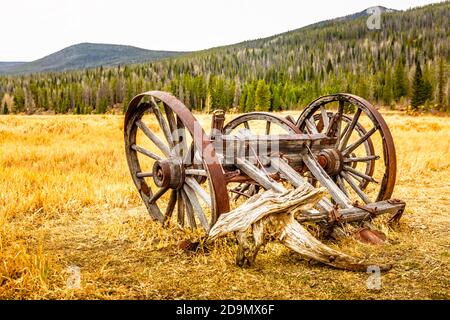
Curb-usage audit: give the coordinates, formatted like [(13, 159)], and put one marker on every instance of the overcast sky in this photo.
[(32, 29)]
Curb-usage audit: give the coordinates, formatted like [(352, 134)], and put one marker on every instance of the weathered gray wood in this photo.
[(358, 142), (272, 213), (296, 179), (349, 130), (158, 195), (196, 206), (290, 145), (162, 122), (170, 206), (189, 211), (180, 208), (145, 152), (196, 172), (325, 180), (257, 175), (144, 174), (325, 119), (311, 126), (183, 149), (267, 131), (359, 174), (362, 159), (355, 187), (154, 138), (341, 185), (355, 214), (199, 190)]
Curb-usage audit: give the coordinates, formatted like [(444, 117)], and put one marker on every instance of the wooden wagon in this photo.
[(186, 176)]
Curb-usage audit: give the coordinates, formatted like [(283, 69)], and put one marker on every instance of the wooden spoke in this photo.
[(144, 174), (162, 122), (188, 158), (199, 190), (267, 128), (357, 143), (182, 137), (180, 208), (145, 152), (355, 187), (189, 211), (173, 127), (256, 174), (357, 178), (320, 174), (246, 125), (362, 159), (196, 206), (359, 174), (196, 172), (341, 185), (325, 119), (158, 195), (170, 206), (311, 126), (339, 114), (154, 138), (349, 129)]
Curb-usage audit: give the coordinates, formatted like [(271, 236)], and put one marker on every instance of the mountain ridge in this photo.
[(86, 55)]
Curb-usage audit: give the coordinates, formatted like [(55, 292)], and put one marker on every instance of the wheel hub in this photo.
[(331, 161), (168, 173)]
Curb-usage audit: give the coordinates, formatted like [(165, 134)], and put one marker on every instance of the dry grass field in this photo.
[(67, 199)]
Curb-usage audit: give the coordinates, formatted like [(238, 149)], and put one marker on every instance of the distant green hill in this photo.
[(86, 55), (339, 55)]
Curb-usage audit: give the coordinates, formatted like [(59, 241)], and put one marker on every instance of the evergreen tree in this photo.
[(419, 94), (400, 86), (19, 100), (5, 108), (242, 100), (276, 99), (262, 96), (388, 89), (250, 99), (441, 85)]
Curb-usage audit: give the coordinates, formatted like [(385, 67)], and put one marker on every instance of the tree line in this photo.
[(405, 63)]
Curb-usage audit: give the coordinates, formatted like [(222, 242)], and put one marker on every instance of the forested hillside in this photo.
[(404, 63)]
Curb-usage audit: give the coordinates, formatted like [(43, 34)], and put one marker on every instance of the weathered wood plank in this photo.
[(258, 175), (325, 180)]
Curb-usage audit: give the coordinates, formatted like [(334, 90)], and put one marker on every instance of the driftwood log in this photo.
[(271, 216)]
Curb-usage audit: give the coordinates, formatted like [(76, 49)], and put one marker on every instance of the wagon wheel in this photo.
[(369, 150), (363, 161), (259, 123), (168, 154)]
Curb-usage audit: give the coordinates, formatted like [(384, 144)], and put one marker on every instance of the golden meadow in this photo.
[(67, 199)]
